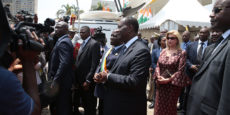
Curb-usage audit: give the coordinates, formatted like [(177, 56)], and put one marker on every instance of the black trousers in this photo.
[(63, 103), (86, 99)]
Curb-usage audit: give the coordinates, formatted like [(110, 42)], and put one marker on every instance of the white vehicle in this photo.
[(96, 19)]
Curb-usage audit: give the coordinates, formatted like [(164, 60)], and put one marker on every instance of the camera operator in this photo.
[(99, 36), (16, 99)]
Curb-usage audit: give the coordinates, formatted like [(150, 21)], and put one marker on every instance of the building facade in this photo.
[(17, 5)]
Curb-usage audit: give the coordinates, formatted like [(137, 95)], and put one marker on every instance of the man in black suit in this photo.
[(126, 81), (195, 52), (60, 70), (109, 57), (86, 63), (209, 94)]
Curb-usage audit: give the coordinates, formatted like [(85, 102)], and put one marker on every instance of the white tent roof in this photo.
[(104, 15), (183, 12)]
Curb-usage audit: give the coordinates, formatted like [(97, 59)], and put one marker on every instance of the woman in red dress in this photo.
[(170, 76)]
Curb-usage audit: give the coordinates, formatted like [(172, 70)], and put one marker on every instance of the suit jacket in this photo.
[(126, 83), (192, 57), (209, 94), (110, 60), (61, 62), (87, 61), (208, 52), (155, 55)]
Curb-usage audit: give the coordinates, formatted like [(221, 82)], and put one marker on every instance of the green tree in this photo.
[(66, 10), (98, 7)]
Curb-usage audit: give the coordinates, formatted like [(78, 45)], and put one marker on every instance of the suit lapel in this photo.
[(195, 49), (57, 43), (83, 49), (118, 61), (218, 50)]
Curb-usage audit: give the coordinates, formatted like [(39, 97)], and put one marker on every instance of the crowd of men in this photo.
[(79, 73)]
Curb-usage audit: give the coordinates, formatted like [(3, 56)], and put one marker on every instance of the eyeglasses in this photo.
[(172, 38), (216, 10)]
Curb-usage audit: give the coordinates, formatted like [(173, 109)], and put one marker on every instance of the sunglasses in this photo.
[(216, 10), (172, 38)]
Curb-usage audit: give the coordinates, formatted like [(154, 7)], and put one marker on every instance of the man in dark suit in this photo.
[(209, 94), (195, 51), (126, 81), (86, 63), (60, 70), (109, 57), (184, 44)]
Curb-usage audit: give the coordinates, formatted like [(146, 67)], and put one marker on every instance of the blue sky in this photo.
[(48, 8)]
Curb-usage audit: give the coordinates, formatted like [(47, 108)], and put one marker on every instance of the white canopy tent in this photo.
[(100, 15), (179, 12)]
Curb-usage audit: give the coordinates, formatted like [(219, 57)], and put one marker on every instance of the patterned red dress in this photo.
[(167, 94)]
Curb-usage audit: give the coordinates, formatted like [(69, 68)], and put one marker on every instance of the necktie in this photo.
[(200, 51), (82, 46)]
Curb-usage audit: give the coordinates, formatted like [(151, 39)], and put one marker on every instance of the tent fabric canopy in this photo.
[(95, 15), (183, 12)]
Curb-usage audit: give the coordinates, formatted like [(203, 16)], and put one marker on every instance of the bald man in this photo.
[(60, 70)]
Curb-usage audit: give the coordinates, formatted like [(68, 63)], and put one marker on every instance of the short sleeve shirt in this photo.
[(13, 99)]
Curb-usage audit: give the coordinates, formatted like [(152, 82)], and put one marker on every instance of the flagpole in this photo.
[(78, 11)]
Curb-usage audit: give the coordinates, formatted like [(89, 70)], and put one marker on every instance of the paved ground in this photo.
[(149, 111), (45, 111)]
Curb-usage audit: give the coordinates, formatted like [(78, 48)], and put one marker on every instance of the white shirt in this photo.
[(85, 41), (204, 45)]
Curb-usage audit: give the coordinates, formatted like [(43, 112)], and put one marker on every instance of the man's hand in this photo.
[(194, 68), (86, 86), (15, 65), (96, 77), (101, 77)]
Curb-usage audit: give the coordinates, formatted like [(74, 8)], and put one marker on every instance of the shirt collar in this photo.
[(117, 47), (187, 42), (226, 34), (87, 39), (205, 43), (131, 41)]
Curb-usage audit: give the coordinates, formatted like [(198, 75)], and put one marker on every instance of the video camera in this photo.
[(26, 16), (24, 28), (98, 34)]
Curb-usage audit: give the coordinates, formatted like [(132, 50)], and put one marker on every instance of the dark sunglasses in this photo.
[(172, 38), (216, 10)]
